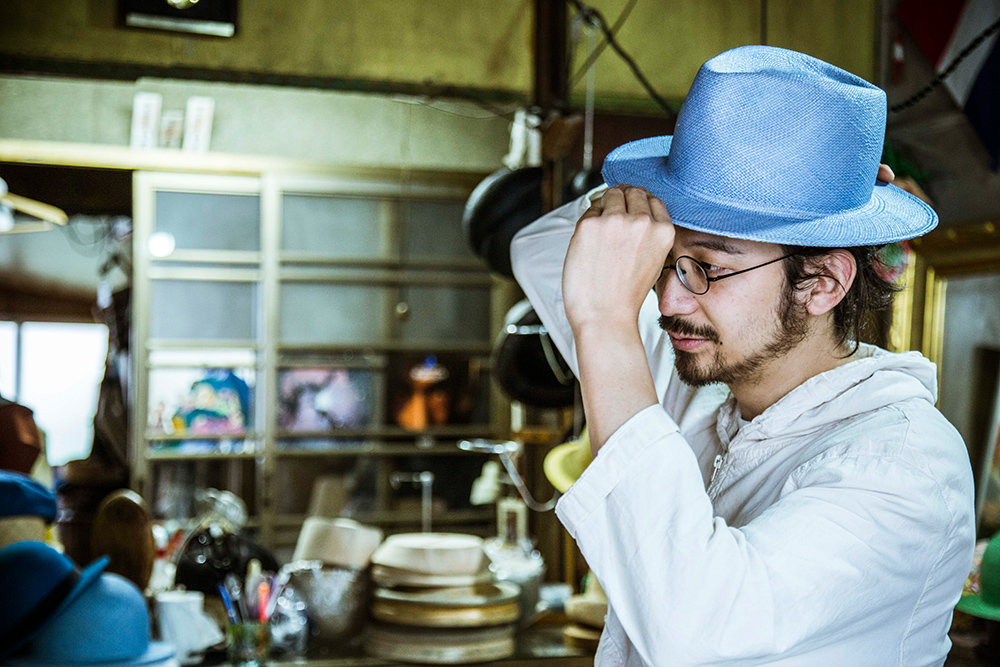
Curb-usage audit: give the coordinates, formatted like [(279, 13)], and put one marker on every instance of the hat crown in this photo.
[(779, 130), (22, 495), (108, 623), (29, 573)]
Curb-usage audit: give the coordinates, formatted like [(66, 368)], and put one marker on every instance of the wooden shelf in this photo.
[(398, 517), (377, 449), (459, 431), (154, 455), (474, 348), (169, 437)]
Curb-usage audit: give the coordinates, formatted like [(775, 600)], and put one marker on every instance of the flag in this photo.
[(942, 29)]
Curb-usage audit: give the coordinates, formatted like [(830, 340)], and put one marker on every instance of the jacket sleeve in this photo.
[(537, 255), (848, 544)]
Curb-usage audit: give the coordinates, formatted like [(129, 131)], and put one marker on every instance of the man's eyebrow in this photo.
[(718, 245)]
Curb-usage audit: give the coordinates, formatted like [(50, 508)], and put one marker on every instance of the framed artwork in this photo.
[(428, 390), (192, 402), (325, 399)]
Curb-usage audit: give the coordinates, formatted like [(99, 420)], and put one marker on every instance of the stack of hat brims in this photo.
[(436, 602), (587, 613)]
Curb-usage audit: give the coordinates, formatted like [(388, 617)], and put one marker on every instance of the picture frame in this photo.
[(947, 255)]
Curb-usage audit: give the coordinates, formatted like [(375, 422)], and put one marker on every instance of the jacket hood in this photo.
[(873, 380)]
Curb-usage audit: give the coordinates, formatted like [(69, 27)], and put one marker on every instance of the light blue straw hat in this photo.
[(776, 146)]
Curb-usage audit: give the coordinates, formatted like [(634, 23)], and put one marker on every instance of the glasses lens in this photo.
[(692, 275)]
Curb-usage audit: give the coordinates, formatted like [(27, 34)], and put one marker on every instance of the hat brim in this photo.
[(974, 605), (159, 654), (562, 465), (87, 577), (890, 215)]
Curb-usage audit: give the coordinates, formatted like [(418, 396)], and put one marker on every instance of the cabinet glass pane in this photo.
[(209, 221), (203, 310), (175, 485), (332, 314), (333, 227), (457, 314), (434, 231)]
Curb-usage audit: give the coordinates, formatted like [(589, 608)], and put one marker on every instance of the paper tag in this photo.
[(171, 128)]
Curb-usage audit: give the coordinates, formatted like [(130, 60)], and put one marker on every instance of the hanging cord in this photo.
[(595, 18), (588, 118), (948, 71), (592, 58)]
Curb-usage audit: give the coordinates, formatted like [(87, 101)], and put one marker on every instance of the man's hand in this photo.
[(615, 256), (885, 173)]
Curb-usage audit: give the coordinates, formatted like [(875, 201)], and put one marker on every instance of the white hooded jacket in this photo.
[(834, 530)]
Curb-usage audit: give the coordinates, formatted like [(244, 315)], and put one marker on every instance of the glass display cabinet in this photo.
[(300, 338)]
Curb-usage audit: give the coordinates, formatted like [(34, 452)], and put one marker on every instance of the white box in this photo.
[(198, 123), (145, 120)]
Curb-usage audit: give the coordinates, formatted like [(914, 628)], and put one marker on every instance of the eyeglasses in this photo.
[(694, 276)]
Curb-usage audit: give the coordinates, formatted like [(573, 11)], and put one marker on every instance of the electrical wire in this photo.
[(595, 18), (592, 58), (492, 112), (946, 72)]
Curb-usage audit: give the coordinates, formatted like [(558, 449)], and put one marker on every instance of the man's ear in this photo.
[(837, 270)]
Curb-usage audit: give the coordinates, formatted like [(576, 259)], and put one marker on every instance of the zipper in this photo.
[(720, 460)]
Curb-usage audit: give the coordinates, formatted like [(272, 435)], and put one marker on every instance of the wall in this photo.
[(482, 44), (670, 41), (323, 126), (480, 48)]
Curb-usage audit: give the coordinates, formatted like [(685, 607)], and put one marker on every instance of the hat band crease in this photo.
[(41, 612), (870, 205)]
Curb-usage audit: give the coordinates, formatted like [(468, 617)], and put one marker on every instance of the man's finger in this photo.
[(658, 209), (594, 211), (613, 201), (637, 201), (885, 173)]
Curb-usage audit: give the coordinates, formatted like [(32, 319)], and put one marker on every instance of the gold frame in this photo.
[(918, 313)]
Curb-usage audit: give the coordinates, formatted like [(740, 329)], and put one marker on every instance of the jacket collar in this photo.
[(874, 379)]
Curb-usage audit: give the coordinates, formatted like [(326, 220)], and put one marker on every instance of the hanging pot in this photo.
[(500, 206), (527, 364)]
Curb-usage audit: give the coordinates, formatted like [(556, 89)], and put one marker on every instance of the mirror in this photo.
[(950, 311)]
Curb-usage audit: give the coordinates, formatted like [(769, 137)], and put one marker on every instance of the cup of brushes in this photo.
[(249, 606)]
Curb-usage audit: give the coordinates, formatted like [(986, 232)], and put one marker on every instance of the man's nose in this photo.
[(674, 298)]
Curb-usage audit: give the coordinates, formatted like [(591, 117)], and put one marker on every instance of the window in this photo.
[(55, 369), (8, 360)]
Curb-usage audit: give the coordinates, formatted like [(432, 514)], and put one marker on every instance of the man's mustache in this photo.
[(677, 326)]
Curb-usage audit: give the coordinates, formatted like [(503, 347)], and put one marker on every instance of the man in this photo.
[(765, 490)]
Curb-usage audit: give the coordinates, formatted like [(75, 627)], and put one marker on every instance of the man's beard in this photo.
[(793, 326)]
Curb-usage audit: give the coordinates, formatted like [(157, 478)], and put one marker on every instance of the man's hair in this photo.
[(869, 293)]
